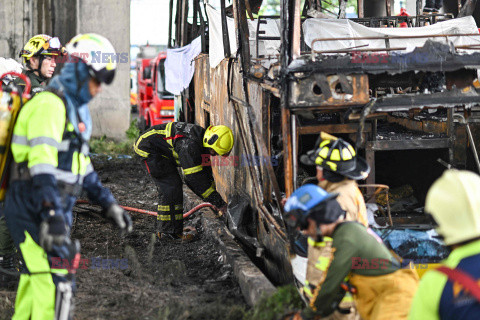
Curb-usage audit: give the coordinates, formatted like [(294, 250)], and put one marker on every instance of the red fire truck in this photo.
[(155, 104)]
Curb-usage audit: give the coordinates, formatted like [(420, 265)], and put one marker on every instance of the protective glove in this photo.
[(120, 217), (45, 192), (53, 231)]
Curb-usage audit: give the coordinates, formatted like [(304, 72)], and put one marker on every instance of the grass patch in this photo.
[(273, 307), (277, 305), (107, 146)]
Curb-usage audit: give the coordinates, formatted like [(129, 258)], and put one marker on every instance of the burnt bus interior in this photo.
[(408, 100)]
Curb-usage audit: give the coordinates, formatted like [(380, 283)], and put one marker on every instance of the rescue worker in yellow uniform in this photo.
[(447, 292), (359, 261), (39, 56), (338, 168), (165, 147), (51, 168)]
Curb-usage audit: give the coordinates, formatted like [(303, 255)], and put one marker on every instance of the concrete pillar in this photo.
[(64, 19), (111, 108), (16, 26)]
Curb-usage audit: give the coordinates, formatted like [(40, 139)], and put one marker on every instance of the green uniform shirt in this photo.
[(38, 83), (358, 250)]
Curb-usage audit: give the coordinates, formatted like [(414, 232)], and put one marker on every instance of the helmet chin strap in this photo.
[(319, 234), (41, 58)]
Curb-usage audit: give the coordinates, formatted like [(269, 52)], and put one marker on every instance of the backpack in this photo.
[(10, 104)]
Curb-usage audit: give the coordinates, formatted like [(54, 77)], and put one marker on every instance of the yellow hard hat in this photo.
[(219, 138), (41, 44), (453, 201), (338, 156)]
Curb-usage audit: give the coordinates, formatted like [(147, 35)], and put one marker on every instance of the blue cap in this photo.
[(307, 197)]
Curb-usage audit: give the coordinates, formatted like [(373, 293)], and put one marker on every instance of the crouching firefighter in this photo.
[(359, 262), (51, 168), (165, 147)]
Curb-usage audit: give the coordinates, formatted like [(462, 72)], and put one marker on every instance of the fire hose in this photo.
[(152, 213)]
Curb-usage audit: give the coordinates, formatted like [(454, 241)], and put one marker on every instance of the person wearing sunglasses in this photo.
[(39, 56)]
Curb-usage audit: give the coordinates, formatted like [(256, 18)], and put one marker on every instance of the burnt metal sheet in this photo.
[(333, 128), (333, 90), (455, 97), (390, 145), (432, 57), (427, 126)]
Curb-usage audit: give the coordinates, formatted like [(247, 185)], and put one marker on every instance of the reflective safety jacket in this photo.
[(182, 143), (438, 297), (354, 251), (50, 146)]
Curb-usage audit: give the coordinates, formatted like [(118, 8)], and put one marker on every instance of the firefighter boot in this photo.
[(8, 279), (189, 234)]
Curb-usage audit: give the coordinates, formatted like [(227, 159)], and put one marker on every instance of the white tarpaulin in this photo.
[(215, 34), (180, 67), (344, 28), (265, 47)]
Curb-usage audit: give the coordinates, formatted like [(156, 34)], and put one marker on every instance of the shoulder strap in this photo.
[(463, 279)]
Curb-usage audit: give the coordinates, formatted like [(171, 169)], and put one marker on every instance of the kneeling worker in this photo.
[(165, 147), (360, 263)]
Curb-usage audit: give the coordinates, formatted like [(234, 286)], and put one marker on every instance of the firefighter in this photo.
[(51, 168), (338, 168), (165, 147), (453, 201), (359, 262), (39, 56)]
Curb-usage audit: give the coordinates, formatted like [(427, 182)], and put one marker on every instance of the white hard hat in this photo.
[(454, 202), (97, 53)]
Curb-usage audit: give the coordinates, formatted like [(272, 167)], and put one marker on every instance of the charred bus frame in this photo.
[(261, 103)]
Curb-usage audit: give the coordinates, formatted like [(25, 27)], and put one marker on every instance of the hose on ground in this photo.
[(152, 213)]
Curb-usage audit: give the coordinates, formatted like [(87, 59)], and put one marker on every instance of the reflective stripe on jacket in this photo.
[(438, 298), (44, 139), (182, 143)]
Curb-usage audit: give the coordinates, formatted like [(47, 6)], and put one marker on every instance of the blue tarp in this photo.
[(419, 246)]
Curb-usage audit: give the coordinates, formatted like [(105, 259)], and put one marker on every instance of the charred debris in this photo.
[(406, 97)]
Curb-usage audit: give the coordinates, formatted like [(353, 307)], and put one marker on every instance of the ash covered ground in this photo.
[(163, 280)]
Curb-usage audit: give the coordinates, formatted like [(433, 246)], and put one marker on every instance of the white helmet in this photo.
[(97, 53), (454, 202)]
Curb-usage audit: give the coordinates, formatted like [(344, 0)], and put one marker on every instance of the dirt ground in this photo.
[(163, 279)]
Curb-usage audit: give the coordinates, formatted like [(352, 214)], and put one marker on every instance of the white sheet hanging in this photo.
[(342, 28), (179, 66), (215, 34)]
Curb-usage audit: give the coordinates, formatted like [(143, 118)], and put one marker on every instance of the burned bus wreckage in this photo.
[(407, 98)]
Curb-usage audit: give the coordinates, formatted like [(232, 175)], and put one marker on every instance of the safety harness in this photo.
[(465, 280)]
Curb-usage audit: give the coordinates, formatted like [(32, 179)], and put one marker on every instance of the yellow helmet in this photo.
[(453, 201), (41, 44), (337, 156), (219, 138)]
